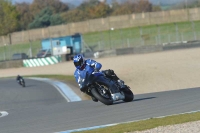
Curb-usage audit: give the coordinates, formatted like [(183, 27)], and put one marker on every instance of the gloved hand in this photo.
[(95, 71)]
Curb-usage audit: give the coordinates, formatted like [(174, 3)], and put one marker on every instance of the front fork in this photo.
[(117, 96), (114, 92)]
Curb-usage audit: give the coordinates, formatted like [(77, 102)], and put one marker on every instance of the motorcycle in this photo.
[(104, 89), (22, 82)]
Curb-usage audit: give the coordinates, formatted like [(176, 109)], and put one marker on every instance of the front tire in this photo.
[(129, 96), (23, 84), (96, 92)]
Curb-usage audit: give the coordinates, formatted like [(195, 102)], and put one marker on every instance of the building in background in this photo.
[(67, 45)]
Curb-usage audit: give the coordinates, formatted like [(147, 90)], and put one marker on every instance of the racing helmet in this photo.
[(79, 61)]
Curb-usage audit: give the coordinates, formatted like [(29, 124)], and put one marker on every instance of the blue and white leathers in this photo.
[(90, 66)]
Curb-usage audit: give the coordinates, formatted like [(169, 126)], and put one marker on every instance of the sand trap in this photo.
[(144, 73)]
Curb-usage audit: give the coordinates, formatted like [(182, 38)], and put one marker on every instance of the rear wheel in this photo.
[(129, 96), (102, 94)]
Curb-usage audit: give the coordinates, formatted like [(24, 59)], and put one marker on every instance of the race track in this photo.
[(40, 108)]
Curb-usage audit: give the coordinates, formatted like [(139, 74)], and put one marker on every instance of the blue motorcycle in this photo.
[(104, 89)]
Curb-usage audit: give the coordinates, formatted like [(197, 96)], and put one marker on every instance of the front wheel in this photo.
[(129, 96), (23, 84), (102, 94)]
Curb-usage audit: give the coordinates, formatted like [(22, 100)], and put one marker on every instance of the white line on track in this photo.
[(3, 113)]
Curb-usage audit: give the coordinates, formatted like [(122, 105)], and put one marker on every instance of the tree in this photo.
[(143, 6), (100, 10), (42, 19), (56, 5), (124, 8), (56, 19), (74, 15), (115, 4), (26, 16), (8, 17), (46, 18), (87, 4), (95, 8), (137, 6)]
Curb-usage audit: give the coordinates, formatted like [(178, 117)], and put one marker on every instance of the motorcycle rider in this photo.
[(81, 65), (18, 78)]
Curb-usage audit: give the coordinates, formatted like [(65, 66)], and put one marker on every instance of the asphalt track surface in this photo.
[(40, 108)]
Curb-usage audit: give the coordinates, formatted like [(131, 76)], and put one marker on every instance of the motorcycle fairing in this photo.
[(87, 77)]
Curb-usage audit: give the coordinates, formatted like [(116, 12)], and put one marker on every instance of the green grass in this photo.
[(8, 50), (146, 35), (69, 78), (56, 77), (147, 124)]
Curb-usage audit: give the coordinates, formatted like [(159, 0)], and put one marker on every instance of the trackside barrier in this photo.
[(148, 49), (41, 61)]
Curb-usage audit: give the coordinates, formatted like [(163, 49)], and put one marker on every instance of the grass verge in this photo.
[(69, 79), (148, 124), (56, 77), (63, 78)]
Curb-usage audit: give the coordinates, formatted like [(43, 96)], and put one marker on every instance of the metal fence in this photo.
[(138, 36), (119, 38), (31, 49)]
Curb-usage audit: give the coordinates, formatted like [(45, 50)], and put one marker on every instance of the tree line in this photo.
[(44, 13)]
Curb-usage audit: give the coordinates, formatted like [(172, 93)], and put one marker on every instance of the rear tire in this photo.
[(129, 96), (106, 100)]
